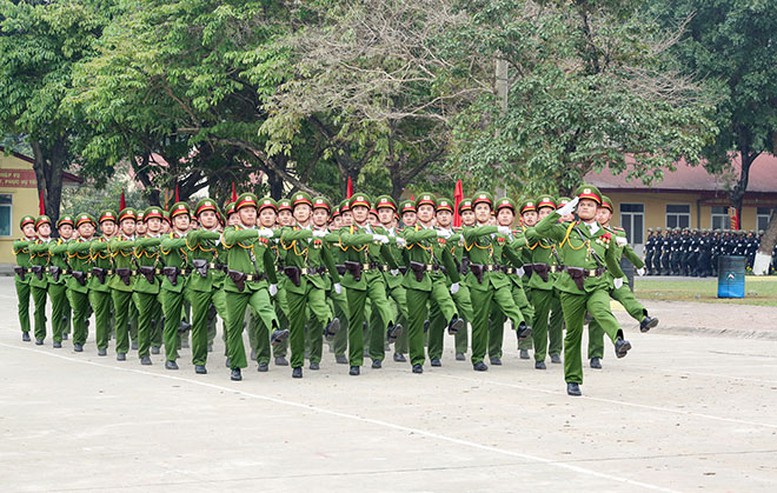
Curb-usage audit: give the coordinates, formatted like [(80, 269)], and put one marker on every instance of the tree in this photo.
[(373, 81), (730, 44), (40, 43), (177, 90), (589, 86)]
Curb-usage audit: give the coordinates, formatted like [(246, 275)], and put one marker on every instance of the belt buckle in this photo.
[(385, 268), (304, 271), (489, 268), (428, 268), (365, 266), (212, 265), (510, 271)]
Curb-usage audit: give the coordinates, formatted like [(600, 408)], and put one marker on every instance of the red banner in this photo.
[(18, 178)]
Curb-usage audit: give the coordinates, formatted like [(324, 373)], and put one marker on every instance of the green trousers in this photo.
[(340, 303), (101, 305), (500, 312), (521, 298), (542, 300), (237, 303), (625, 297), (148, 313), (122, 302), (418, 303), (438, 324), (59, 310), (556, 326), (357, 299), (172, 308), (81, 312), (312, 301), (482, 302), (39, 299), (201, 302), (575, 307), (399, 309), (23, 304)]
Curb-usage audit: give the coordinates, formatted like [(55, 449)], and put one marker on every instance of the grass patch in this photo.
[(760, 291)]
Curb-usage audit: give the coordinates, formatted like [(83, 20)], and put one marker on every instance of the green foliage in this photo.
[(588, 88), (401, 95), (730, 44)]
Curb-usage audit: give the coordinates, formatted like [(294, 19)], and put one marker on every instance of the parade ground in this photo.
[(693, 407)]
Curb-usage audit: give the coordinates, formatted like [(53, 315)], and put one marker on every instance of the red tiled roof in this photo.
[(763, 178)]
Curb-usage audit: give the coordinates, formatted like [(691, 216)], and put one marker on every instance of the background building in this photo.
[(18, 197), (689, 197)]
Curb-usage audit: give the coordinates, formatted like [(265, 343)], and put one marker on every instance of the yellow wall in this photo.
[(655, 209), (18, 181)]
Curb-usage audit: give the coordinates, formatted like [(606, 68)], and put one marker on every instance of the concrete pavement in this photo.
[(684, 411)]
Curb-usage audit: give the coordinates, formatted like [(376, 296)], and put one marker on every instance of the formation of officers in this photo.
[(695, 252), (364, 275)]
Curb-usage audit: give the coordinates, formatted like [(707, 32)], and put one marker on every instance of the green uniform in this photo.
[(514, 244), (121, 249), (428, 251), (21, 249), (341, 309), (623, 295), (100, 292), (39, 283), (486, 251), (396, 291), (145, 292), (542, 269), (307, 259), (360, 248), (173, 255), (60, 308), (249, 254), (595, 253), (203, 288), (79, 259)]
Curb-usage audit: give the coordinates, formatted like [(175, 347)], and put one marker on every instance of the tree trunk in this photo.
[(49, 165), (763, 257), (737, 193), (274, 180)]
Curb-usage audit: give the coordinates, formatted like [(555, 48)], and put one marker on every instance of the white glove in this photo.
[(621, 241), (394, 272), (400, 241), (569, 208), (504, 230), (455, 288), (273, 289), (338, 288), (266, 232), (618, 283), (319, 233), (443, 234), (520, 272), (641, 272), (380, 238)]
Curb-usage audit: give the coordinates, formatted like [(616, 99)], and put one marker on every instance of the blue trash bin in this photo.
[(731, 277)]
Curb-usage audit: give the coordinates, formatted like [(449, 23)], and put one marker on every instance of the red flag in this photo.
[(458, 196), (41, 204), (349, 189), (122, 201), (234, 193), (412, 197), (177, 196)]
